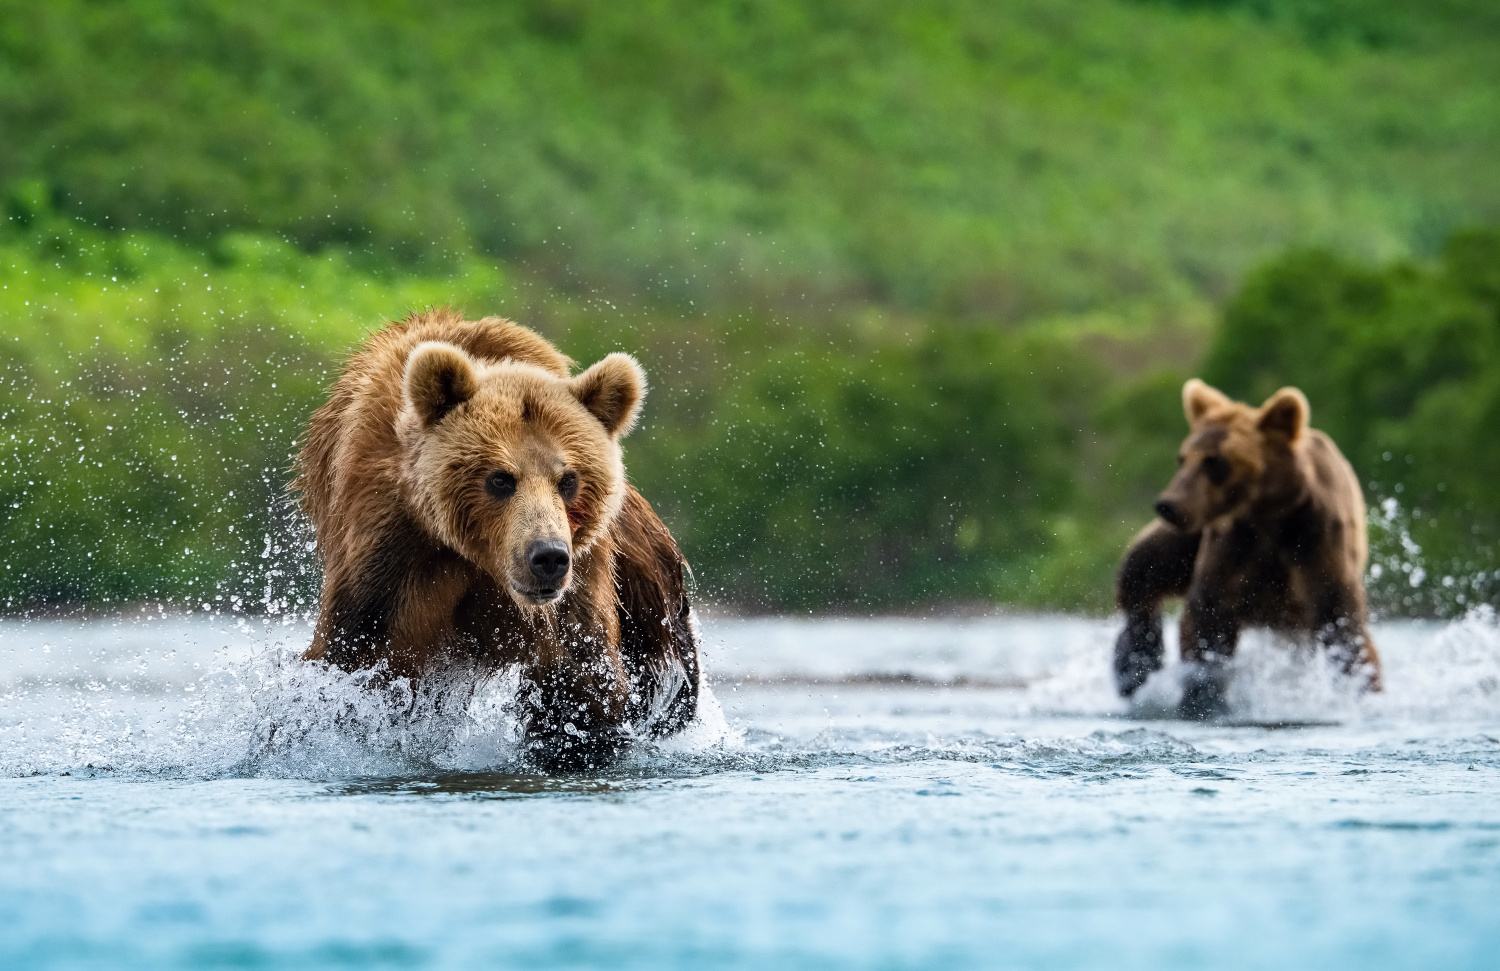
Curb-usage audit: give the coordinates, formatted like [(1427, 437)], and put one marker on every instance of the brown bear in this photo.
[(471, 514), (1263, 525)]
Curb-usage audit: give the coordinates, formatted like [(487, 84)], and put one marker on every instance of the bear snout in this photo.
[(1169, 511), (548, 561)]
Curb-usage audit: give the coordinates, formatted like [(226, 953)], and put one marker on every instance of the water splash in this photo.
[(217, 697), (1433, 671)]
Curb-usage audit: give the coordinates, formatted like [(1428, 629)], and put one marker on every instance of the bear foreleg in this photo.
[(1209, 635), (573, 713), (1159, 564), (1344, 633)]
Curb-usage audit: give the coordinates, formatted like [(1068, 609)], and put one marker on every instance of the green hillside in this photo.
[(915, 284), (995, 160)]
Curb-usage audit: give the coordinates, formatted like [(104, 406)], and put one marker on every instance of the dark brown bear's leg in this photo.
[(1159, 564), (574, 692), (1209, 633), (1343, 631), (573, 712)]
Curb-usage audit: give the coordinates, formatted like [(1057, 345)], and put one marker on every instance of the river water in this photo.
[(874, 793)]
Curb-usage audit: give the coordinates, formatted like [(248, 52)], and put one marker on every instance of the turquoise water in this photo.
[(865, 794)]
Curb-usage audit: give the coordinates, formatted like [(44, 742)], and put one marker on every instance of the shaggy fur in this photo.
[(1263, 525), (448, 452)]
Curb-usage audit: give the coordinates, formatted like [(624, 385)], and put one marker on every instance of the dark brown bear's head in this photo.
[(1234, 456), (516, 469)]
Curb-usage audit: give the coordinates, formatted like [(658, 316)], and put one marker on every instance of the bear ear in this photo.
[(612, 391), (439, 378), (1198, 399), (1285, 413)]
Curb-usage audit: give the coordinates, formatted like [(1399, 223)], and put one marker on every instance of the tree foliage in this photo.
[(966, 158)]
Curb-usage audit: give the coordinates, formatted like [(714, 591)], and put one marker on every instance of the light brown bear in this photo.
[(471, 513), (1263, 525)]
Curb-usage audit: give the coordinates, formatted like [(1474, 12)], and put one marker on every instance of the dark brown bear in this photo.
[(1263, 526), (472, 513)]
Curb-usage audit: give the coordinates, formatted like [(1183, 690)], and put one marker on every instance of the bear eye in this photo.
[(1216, 469), (500, 484), (567, 486)]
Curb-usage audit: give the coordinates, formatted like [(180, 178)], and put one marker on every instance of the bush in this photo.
[(137, 479), (882, 475)]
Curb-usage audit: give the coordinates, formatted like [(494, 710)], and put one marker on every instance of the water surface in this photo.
[(180, 792)]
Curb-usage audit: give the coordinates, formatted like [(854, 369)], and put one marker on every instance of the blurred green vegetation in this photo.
[(1001, 161), (916, 286)]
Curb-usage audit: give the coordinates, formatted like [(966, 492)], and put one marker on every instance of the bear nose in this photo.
[(1167, 509), (549, 561)]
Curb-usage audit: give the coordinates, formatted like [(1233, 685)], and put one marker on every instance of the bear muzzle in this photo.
[(1182, 512), (1170, 512), (547, 564)]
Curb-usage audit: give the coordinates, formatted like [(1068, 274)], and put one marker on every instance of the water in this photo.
[(179, 792)]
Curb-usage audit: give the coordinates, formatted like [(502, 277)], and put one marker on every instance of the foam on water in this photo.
[(140, 706), (1433, 671)]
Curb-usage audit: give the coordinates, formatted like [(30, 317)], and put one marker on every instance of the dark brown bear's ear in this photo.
[(439, 378), (1198, 399), (612, 391), (1285, 413)]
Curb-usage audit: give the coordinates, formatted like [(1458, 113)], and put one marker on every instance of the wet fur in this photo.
[(1279, 542), (418, 561)]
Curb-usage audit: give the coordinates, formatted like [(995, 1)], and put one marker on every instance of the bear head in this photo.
[(514, 468), (1235, 457)]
